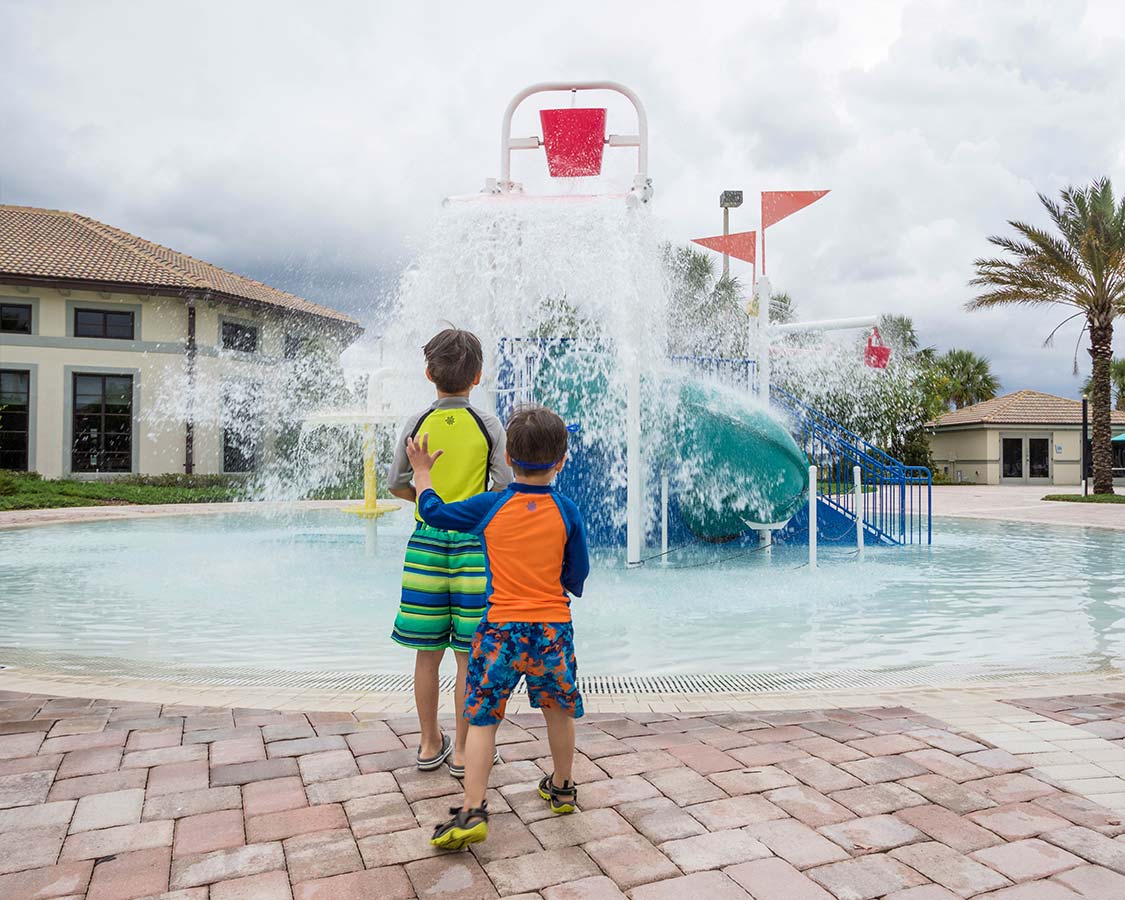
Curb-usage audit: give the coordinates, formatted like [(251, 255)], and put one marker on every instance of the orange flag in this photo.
[(741, 245), (776, 205)]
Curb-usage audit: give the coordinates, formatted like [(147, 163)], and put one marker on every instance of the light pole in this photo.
[(1085, 442), (728, 200)]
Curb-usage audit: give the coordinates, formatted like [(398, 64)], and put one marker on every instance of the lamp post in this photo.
[(728, 200), (1085, 442)]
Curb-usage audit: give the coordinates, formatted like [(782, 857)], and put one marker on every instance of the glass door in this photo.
[(1039, 459), (1011, 459)]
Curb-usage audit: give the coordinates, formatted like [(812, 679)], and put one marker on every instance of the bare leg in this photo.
[(480, 745), (458, 757), (426, 666), (560, 735)]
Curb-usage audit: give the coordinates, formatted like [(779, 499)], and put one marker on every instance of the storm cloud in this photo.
[(310, 145)]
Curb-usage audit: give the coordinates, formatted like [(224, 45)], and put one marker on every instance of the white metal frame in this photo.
[(641, 189)]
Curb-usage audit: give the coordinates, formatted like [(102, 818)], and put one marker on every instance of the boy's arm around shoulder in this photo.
[(466, 515), (576, 555)]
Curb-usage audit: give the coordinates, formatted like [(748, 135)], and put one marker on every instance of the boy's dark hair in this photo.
[(454, 359), (536, 436)]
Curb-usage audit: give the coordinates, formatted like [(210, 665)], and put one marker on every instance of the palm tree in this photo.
[(964, 378), (1117, 380), (1083, 267), (706, 317)]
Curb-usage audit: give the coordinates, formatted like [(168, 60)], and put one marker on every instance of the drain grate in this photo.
[(718, 683)]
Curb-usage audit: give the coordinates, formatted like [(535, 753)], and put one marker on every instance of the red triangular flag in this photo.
[(776, 205), (741, 245)]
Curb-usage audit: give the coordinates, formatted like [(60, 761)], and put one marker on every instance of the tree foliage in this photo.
[(1080, 265)]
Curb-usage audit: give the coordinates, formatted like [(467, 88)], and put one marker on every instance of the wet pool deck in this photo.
[(1025, 504), (1003, 792)]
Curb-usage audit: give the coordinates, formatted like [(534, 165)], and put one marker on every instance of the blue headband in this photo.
[(543, 467)]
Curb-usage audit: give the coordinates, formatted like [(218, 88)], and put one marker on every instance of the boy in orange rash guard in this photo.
[(535, 546)]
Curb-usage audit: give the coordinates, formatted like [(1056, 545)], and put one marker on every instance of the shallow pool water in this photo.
[(298, 592)]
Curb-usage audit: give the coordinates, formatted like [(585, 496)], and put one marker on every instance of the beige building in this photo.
[(119, 356), (1023, 438)]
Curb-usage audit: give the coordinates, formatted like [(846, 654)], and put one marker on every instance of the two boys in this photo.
[(510, 556)]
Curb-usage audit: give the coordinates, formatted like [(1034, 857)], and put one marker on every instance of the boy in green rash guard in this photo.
[(443, 576)]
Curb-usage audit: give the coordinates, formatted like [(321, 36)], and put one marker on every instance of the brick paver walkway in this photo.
[(115, 801)]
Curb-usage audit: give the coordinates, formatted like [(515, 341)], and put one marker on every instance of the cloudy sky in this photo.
[(311, 144)]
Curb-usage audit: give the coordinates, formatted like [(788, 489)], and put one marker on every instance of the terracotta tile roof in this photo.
[(63, 246), (1022, 408)]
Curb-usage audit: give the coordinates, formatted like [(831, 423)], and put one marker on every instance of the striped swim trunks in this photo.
[(443, 590)]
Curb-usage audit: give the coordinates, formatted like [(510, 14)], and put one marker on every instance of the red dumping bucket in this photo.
[(573, 139), (876, 354)]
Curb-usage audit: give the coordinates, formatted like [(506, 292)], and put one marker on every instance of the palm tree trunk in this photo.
[(1101, 351)]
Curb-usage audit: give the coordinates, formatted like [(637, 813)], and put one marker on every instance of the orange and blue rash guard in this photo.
[(535, 546)]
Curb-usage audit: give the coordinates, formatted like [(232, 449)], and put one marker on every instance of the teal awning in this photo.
[(1120, 439)]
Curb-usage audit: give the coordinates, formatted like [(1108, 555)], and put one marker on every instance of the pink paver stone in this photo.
[(775, 879), (266, 886), (754, 781), (636, 763), (820, 775), (108, 841), (453, 876), (387, 883), (955, 831), (177, 777), (714, 850), (48, 881), (684, 786), (811, 807), (736, 812), (540, 870), (31, 849), (287, 823), (962, 875), (711, 885), (660, 820), (579, 828), (223, 865), (275, 795), (321, 854), (97, 761), (208, 831), (237, 750), (191, 803), (1027, 860), (955, 797), (875, 799), (129, 875), (1093, 881), (508, 836), (612, 792), (866, 877), (630, 860), (796, 843), (107, 810), (705, 759), (873, 834), (1016, 821), (596, 887)]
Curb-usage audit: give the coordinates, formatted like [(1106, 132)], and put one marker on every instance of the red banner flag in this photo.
[(741, 245), (776, 205)]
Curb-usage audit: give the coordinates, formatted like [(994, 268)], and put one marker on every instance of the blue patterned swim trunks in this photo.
[(543, 653)]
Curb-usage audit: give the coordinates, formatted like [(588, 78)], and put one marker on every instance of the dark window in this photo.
[(294, 344), (241, 427), (103, 323), (15, 397), (243, 338), (103, 423), (15, 318)]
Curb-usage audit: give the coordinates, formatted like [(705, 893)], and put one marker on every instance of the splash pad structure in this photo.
[(570, 295)]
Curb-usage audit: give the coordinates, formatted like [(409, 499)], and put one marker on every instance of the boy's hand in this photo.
[(421, 460)]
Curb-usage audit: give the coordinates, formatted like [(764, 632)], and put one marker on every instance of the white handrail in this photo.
[(508, 144)]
